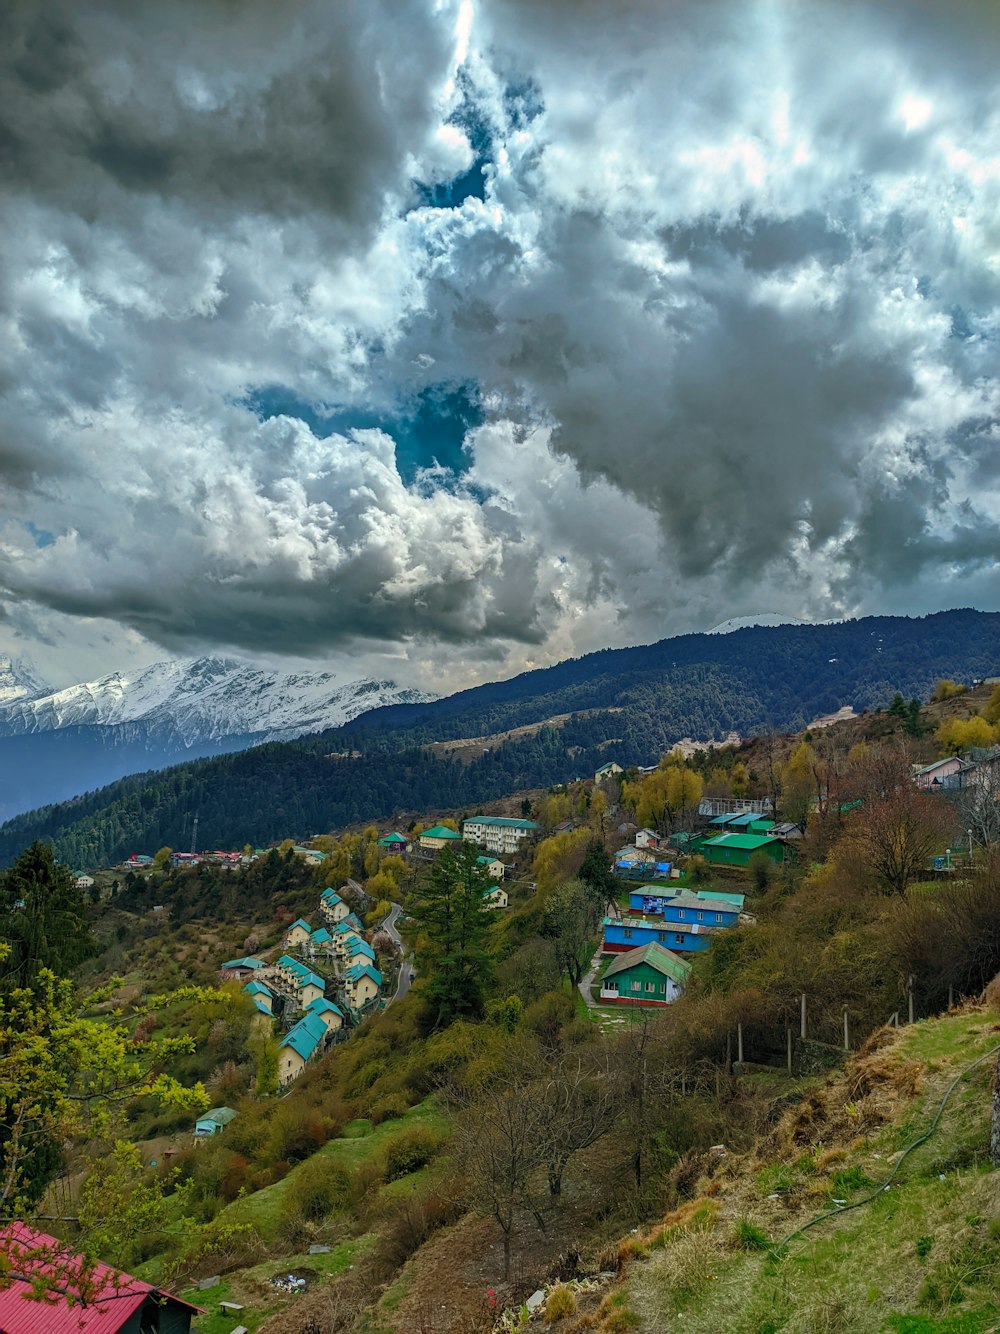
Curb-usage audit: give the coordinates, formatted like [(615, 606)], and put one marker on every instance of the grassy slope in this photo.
[(924, 1255)]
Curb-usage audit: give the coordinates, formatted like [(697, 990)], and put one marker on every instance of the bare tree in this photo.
[(501, 1143), (977, 804), (900, 827), (579, 1106)]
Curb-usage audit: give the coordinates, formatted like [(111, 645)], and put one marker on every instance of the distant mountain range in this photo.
[(628, 704), (57, 743)]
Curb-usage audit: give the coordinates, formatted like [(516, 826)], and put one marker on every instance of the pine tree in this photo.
[(42, 918), (450, 911)]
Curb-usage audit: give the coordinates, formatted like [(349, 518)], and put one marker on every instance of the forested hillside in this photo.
[(694, 685)]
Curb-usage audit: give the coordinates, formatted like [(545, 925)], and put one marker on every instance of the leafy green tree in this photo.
[(63, 1077), (119, 1208), (450, 914), (596, 874), (42, 918), (571, 925)]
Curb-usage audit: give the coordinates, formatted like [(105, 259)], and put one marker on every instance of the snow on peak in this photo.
[(203, 699), (19, 680)]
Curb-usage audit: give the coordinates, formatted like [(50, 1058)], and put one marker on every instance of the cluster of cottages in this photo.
[(293, 988), (731, 838)]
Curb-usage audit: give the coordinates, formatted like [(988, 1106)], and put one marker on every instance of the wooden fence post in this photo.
[(847, 1041), (788, 1035), (739, 1043), (802, 1019), (909, 997)]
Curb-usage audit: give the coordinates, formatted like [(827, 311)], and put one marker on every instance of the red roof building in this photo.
[(52, 1290)]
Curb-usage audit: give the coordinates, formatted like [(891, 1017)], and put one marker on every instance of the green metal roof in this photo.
[(746, 842), (503, 821), (662, 960), (220, 1115), (439, 831)]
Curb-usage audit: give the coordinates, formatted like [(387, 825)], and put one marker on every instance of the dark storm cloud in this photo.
[(257, 107)]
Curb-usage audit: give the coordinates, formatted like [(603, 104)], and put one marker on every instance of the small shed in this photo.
[(650, 975), (211, 1123), (737, 849)]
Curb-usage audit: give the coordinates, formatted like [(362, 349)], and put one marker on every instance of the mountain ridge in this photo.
[(56, 743), (696, 685)]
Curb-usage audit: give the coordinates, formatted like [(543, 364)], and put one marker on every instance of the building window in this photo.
[(627, 933), (682, 912), (636, 986), (679, 939), (661, 935), (718, 917), (650, 986), (612, 985), (701, 917)]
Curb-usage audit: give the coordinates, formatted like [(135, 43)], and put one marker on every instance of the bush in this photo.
[(560, 1303), (322, 1187), (698, 870), (408, 1153), (389, 1108), (749, 1237)]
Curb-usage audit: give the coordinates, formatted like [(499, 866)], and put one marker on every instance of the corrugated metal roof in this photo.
[(116, 1297), (746, 842), (662, 960)]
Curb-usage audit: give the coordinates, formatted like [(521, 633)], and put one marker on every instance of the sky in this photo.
[(439, 339)]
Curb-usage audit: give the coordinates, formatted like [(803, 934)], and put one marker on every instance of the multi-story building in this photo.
[(498, 834)]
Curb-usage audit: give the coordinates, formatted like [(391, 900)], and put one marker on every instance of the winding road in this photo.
[(389, 926)]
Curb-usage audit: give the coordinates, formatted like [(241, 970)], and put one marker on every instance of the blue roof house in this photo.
[(299, 1045)]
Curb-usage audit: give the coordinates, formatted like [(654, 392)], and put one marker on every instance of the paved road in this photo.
[(389, 926)]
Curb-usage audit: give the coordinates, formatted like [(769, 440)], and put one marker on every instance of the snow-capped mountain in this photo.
[(19, 681), (56, 744), (202, 699)]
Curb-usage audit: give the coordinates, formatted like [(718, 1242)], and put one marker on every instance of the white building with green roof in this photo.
[(499, 834)]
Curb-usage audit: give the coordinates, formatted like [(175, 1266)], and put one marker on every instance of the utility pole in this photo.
[(194, 835)]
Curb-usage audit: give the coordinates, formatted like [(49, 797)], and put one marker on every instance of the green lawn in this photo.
[(359, 1143)]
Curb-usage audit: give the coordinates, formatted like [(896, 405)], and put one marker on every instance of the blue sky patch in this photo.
[(428, 429), (40, 536)]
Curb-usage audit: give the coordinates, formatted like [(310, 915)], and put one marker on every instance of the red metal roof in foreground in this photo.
[(113, 1296)]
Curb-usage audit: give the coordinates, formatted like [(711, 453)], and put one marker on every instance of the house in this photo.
[(649, 838), (786, 829), (683, 908), (359, 949), (649, 975), (210, 1123), (394, 843), (117, 1303), (138, 860), (492, 866), (185, 859), (495, 898), (931, 777), (332, 906), (240, 970), (744, 823), (737, 849), (361, 984), (607, 771), (332, 1015), (299, 1045), (497, 833), (354, 921), (298, 933), (310, 854), (85, 882), (685, 842), (342, 936), (728, 818), (296, 980), (623, 934), (262, 996), (438, 837)]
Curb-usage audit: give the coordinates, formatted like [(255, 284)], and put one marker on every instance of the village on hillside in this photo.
[(331, 971)]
